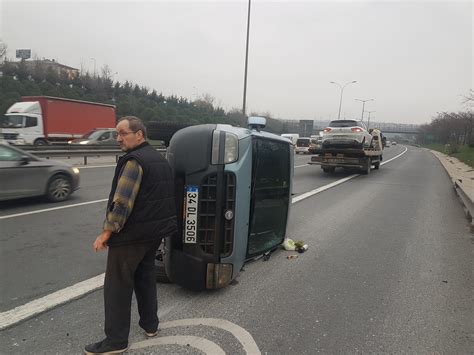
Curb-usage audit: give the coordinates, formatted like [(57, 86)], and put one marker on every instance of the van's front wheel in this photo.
[(40, 141)]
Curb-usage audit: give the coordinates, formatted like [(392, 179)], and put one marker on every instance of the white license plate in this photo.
[(190, 214)]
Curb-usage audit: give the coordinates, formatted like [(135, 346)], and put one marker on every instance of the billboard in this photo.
[(306, 128), (23, 53)]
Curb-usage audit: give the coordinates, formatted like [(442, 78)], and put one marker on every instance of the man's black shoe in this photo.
[(102, 347)]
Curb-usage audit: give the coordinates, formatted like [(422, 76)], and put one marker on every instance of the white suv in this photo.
[(346, 134)]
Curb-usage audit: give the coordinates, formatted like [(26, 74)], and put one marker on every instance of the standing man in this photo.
[(140, 213)]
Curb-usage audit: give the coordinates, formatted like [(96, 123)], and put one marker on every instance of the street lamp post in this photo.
[(363, 105), (246, 60), (342, 91), (368, 120), (94, 65)]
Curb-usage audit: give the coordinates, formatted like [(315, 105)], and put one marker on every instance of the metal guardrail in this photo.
[(85, 153), (466, 200), (72, 147)]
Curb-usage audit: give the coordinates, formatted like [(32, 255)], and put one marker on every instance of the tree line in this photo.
[(454, 128), (129, 98)]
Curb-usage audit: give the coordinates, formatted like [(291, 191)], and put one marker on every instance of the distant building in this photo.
[(47, 64)]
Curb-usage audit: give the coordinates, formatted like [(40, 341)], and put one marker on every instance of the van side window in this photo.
[(31, 122)]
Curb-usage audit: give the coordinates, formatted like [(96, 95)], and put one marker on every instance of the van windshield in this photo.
[(270, 195), (11, 121)]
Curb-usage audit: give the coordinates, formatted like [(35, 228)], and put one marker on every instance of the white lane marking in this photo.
[(321, 189), (78, 204), (54, 299), (395, 157), (75, 291), (206, 346), (51, 209), (335, 183), (243, 336)]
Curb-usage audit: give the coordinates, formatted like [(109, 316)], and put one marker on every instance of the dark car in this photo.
[(98, 136), (25, 175)]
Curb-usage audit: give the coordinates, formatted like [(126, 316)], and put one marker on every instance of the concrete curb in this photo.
[(462, 177)]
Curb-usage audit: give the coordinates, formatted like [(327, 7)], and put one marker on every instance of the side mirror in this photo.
[(24, 160)]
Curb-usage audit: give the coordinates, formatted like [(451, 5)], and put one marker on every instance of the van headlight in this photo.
[(229, 152), (75, 170)]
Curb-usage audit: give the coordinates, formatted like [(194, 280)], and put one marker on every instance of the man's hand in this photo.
[(101, 241)]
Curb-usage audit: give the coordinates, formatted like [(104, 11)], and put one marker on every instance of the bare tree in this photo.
[(469, 99), (3, 51), (208, 98), (106, 72)]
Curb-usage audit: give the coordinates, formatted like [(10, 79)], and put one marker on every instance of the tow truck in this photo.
[(350, 158)]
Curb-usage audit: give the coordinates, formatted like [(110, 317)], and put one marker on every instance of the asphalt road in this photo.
[(389, 269)]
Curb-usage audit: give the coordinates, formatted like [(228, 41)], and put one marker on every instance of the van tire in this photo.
[(40, 141)]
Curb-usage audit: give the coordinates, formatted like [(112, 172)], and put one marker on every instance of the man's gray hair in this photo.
[(135, 124)]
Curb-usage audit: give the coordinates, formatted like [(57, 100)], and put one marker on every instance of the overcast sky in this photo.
[(414, 58)]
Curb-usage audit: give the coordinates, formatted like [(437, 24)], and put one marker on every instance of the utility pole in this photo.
[(246, 61), (363, 105), (368, 120), (94, 65), (342, 91)]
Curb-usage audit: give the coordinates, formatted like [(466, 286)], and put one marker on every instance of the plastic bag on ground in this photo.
[(289, 244)]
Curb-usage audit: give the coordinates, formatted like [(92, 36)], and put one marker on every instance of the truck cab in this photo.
[(22, 124), (233, 188)]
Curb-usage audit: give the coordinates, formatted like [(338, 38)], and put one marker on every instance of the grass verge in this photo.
[(464, 152)]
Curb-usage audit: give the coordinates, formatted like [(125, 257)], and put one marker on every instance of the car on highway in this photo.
[(394, 143), (346, 134), (98, 136), (25, 175), (302, 145)]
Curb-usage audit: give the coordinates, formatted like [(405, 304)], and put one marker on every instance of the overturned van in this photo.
[(233, 188)]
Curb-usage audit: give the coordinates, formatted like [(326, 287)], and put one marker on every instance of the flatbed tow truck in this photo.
[(359, 158)]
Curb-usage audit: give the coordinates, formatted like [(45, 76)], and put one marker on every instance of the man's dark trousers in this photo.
[(130, 268)]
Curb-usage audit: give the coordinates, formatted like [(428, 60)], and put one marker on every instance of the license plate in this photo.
[(190, 214)]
